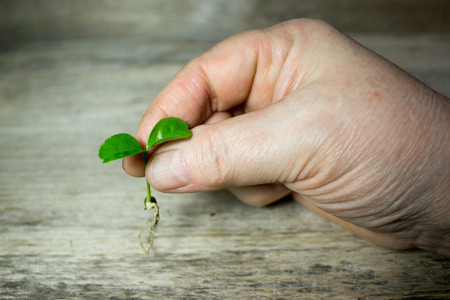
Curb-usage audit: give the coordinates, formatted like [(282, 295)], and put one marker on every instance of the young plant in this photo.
[(122, 145)]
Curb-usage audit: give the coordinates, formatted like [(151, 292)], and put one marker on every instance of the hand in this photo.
[(301, 108)]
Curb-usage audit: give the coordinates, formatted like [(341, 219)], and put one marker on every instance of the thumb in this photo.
[(240, 151)]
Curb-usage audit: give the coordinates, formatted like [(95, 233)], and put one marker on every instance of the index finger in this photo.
[(215, 81), (242, 68)]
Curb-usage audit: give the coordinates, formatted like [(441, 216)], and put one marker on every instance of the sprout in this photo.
[(122, 145)]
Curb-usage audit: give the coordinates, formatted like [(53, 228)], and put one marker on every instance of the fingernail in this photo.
[(168, 170)]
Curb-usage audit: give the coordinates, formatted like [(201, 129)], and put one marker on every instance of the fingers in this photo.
[(217, 81), (244, 73), (251, 149), (260, 195), (218, 117), (134, 165)]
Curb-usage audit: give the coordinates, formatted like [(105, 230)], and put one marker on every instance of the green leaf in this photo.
[(119, 146), (168, 129)]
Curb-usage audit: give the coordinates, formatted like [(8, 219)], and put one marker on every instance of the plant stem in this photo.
[(149, 205), (149, 194)]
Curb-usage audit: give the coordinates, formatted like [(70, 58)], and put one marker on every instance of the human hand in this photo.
[(301, 108)]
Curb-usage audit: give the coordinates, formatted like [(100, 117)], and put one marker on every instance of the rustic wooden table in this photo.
[(69, 225)]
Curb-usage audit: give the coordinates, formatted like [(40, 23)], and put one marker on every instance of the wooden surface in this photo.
[(206, 20), (69, 225)]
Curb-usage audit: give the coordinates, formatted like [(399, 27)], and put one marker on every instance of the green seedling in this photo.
[(122, 145)]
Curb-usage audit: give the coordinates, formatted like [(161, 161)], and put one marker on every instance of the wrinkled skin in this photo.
[(301, 109)]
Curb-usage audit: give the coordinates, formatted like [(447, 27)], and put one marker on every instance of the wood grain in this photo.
[(206, 20), (69, 225)]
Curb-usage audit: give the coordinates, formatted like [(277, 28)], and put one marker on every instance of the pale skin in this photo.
[(301, 109)]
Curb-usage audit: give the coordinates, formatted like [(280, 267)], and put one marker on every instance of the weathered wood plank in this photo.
[(206, 20), (69, 225)]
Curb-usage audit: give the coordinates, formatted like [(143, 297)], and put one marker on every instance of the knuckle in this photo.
[(213, 163), (309, 29)]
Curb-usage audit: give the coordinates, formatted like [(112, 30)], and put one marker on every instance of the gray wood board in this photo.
[(205, 20), (69, 224)]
